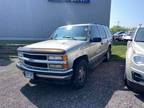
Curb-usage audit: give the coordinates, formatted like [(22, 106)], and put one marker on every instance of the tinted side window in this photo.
[(95, 32), (102, 32), (108, 32)]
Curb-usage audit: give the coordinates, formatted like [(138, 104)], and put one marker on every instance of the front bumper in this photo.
[(135, 75), (48, 74)]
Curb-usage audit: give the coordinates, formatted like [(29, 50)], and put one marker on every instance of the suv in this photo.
[(67, 54), (134, 73)]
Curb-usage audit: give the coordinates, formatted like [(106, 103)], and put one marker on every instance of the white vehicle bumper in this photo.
[(135, 75)]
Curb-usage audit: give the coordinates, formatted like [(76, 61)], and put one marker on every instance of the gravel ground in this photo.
[(104, 89)]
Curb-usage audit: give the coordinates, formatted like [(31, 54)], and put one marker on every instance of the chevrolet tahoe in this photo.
[(67, 54)]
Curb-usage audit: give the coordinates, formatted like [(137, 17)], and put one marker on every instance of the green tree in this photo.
[(118, 28)]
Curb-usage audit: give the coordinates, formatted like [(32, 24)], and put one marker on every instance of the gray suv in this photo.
[(67, 54)]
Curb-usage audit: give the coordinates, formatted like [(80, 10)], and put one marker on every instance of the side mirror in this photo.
[(96, 39)]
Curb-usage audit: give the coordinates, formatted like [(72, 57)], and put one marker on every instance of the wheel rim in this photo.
[(82, 72)]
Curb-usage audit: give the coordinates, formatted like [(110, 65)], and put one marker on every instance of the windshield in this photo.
[(71, 33), (140, 35)]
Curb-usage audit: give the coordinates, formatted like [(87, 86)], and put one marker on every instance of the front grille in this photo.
[(39, 61), (31, 60), (41, 65), (38, 57)]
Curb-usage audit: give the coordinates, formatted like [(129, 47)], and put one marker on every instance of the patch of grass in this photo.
[(119, 51)]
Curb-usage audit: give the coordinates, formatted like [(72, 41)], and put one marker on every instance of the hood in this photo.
[(53, 45)]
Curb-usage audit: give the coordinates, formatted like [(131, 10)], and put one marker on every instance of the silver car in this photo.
[(67, 54), (134, 73)]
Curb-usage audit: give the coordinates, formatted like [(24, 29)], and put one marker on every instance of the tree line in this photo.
[(118, 28)]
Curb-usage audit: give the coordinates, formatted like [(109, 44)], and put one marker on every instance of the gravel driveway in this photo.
[(104, 89)]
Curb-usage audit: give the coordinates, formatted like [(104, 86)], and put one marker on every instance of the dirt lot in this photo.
[(104, 89)]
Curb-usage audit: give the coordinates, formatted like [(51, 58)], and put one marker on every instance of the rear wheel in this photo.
[(108, 54), (80, 73)]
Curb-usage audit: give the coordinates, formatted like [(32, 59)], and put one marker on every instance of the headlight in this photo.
[(20, 54), (59, 58), (139, 59), (58, 66), (55, 58)]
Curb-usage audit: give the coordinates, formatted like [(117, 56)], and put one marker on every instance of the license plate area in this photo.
[(29, 75)]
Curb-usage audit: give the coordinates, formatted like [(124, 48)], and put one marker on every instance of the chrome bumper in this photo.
[(47, 73)]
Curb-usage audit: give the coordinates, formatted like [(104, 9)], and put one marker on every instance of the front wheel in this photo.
[(34, 81), (80, 71)]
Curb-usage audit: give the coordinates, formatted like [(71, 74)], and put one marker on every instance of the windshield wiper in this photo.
[(69, 37)]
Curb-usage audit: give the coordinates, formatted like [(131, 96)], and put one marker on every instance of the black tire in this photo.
[(80, 74), (108, 55), (33, 81)]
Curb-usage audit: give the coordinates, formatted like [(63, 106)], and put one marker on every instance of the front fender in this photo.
[(72, 56)]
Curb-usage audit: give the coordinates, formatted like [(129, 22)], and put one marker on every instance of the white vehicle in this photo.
[(134, 73), (128, 36)]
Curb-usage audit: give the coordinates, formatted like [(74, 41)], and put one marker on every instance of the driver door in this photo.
[(95, 47)]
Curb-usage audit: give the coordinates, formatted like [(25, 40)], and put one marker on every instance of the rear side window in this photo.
[(102, 32), (108, 32)]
